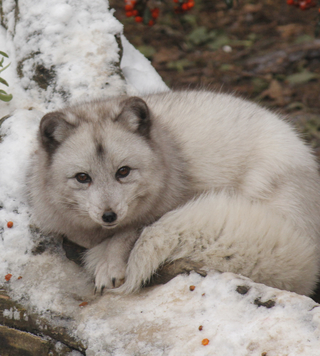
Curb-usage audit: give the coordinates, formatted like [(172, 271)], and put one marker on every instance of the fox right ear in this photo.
[(54, 129), (135, 115)]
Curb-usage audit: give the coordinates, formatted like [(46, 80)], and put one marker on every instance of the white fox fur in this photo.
[(212, 178)]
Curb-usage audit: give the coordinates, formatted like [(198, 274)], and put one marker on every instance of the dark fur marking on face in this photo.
[(100, 149)]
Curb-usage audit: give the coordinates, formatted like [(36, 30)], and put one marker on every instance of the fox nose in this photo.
[(109, 217)]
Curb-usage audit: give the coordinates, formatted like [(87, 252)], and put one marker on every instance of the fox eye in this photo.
[(83, 178), (123, 172)]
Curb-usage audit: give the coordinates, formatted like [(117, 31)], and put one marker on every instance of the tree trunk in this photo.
[(52, 46)]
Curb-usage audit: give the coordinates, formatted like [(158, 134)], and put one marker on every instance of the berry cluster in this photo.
[(183, 6), (141, 12), (146, 12), (302, 4)]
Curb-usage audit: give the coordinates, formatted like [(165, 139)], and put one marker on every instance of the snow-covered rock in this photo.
[(237, 316)]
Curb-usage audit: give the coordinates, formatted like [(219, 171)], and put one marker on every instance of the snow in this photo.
[(141, 77), (162, 320), (166, 320), (77, 41)]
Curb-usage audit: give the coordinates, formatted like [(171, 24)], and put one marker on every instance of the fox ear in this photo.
[(136, 116), (54, 129)]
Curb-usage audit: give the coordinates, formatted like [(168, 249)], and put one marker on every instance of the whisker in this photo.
[(74, 206)]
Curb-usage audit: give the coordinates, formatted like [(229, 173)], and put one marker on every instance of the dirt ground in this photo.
[(262, 50)]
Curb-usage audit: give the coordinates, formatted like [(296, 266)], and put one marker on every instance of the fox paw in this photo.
[(109, 275), (107, 263)]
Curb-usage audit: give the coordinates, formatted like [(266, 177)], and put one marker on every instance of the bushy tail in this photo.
[(228, 234)]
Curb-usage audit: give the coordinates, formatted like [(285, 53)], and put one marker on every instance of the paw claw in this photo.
[(108, 263)]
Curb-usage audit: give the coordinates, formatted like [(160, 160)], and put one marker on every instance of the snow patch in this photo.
[(140, 75)]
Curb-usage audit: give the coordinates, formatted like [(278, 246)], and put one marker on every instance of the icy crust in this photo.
[(237, 316), (63, 49)]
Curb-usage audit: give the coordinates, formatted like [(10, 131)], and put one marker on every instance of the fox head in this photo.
[(101, 162)]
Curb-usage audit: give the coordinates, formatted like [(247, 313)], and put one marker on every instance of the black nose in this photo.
[(109, 217)]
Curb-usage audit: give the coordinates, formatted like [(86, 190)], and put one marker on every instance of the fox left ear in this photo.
[(136, 116), (54, 129)]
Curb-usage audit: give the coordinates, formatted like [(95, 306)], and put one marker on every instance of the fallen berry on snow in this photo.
[(8, 277), (83, 304)]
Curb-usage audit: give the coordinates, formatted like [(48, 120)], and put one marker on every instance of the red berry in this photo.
[(7, 277), (205, 342), (184, 7), (135, 12), (303, 5), (129, 13), (155, 13), (138, 19), (9, 224), (83, 304), (130, 3), (151, 23), (128, 7)]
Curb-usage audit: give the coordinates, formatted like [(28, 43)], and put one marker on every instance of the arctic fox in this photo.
[(188, 174)]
